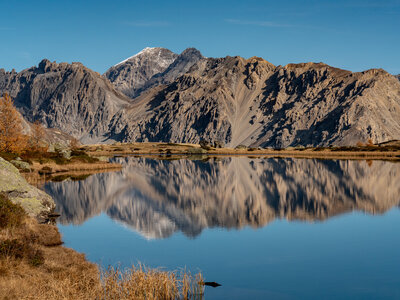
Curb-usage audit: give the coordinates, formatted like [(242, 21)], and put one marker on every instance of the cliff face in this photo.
[(158, 198), (69, 97)]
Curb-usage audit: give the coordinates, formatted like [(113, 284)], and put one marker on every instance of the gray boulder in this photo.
[(22, 165), (35, 202)]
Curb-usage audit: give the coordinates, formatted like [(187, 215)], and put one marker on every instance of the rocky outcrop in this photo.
[(397, 76), (130, 75), (68, 97), (159, 198), (34, 201)]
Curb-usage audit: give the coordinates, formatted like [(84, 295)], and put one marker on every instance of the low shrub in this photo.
[(61, 160), (12, 248), (241, 147), (196, 151), (35, 257), (78, 153), (8, 156), (18, 249), (84, 158), (11, 215), (45, 170)]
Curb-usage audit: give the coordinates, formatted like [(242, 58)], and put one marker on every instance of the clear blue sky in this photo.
[(354, 35)]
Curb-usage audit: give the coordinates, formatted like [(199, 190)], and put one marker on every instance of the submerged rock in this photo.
[(34, 201)]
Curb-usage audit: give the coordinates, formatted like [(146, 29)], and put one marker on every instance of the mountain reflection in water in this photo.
[(158, 197)]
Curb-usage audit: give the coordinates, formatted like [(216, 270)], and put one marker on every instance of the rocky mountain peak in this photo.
[(190, 52), (44, 65), (179, 67), (154, 52), (130, 75)]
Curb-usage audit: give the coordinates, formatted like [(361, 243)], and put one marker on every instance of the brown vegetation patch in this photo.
[(34, 265)]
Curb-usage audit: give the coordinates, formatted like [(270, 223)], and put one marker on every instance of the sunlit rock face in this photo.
[(130, 75), (158, 197)]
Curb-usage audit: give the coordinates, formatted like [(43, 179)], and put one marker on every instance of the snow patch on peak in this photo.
[(145, 50)]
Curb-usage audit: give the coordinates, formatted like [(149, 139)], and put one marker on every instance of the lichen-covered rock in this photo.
[(34, 201), (22, 165)]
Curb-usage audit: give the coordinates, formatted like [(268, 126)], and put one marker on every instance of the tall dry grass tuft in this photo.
[(151, 284)]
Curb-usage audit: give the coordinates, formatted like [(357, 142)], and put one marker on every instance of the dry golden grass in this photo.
[(34, 265), (51, 168), (171, 149), (38, 180), (152, 284)]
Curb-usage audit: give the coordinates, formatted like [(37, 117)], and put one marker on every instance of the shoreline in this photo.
[(53, 168), (169, 150)]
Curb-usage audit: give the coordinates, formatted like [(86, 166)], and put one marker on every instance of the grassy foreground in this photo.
[(35, 265)]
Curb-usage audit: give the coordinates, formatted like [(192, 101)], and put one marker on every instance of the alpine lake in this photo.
[(263, 228)]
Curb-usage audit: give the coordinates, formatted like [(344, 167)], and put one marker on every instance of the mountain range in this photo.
[(157, 95)]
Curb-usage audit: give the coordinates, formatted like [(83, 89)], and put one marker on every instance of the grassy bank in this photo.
[(388, 151), (35, 265), (50, 163)]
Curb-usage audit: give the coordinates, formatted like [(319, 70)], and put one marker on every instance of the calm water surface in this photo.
[(263, 228)]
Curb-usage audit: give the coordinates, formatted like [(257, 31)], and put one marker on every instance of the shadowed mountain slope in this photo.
[(69, 97)]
